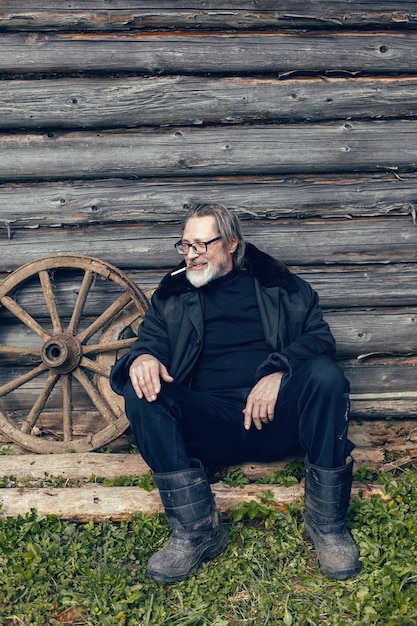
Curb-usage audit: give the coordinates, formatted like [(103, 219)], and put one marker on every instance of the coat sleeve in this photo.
[(307, 334), (152, 339)]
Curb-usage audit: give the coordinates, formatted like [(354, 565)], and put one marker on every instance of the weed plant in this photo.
[(54, 572)]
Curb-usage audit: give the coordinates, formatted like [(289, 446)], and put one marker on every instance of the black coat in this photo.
[(173, 332)]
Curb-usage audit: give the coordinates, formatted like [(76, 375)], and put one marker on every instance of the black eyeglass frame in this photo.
[(179, 246)]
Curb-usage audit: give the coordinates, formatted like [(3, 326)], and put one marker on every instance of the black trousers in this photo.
[(311, 414)]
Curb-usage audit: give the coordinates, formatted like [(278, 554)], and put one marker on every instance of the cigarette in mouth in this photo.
[(178, 271)]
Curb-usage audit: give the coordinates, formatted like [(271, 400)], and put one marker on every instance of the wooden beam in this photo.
[(94, 503), (246, 150), (84, 203), (129, 14), (379, 286), (182, 100), (360, 334), (298, 242), (175, 52), (79, 466), (373, 285)]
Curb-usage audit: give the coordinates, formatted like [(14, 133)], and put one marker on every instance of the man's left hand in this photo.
[(260, 403)]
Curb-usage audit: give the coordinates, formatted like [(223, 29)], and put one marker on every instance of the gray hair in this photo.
[(228, 225)]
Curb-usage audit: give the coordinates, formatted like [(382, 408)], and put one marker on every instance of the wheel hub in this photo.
[(62, 353)]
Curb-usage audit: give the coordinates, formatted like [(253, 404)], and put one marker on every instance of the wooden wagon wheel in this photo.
[(63, 322)]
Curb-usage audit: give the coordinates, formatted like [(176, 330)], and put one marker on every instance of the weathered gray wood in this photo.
[(380, 374), (130, 102), (358, 333), (102, 15), (375, 406), (338, 287), (299, 242), (246, 150), (168, 200), (390, 332), (370, 285), (197, 53)]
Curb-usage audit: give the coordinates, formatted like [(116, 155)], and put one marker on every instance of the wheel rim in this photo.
[(64, 320)]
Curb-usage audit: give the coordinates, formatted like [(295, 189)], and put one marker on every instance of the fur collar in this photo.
[(268, 271)]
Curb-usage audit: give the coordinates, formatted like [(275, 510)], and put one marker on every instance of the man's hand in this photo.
[(146, 373), (260, 404)]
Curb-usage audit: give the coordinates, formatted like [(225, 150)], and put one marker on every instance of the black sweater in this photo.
[(234, 343)]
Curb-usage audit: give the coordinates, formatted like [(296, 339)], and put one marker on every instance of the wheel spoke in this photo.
[(81, 299), (39, 405), (18, 351), (48, 292), (24, 317), (105, 317), (99, 348), (95, 367), (18, 382), (95, 396), (67, 406)]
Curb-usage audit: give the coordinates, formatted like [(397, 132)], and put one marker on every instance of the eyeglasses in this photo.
[(199, 247)]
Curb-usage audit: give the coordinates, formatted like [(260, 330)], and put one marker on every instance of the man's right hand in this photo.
[(146, 373)]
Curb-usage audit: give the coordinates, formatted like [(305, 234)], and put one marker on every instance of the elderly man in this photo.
[(233, 363)]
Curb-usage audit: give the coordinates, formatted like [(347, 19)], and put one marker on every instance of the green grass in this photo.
[(54, 572)]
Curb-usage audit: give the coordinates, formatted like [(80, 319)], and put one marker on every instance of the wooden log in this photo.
[(298, 242), (378, 375), (126, 15), (391, 285), (361, 286), (376, 406), (196, 53), (83, 203), (175, 100), (372, 285), (80, 504), (120, 503), (80, 466), (363, 333), (359, 334), (246, 150)]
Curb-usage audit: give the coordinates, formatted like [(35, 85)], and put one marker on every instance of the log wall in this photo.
[(302, 118)]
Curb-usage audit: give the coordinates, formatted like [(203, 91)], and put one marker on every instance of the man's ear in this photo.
[(233, 245)]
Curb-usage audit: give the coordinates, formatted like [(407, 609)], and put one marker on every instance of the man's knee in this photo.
[(325, 374)]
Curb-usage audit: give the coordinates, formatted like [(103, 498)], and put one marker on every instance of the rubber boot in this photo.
[(197, 532), (327, 494)]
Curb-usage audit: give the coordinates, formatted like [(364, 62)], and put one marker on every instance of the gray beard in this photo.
[(199, 279)]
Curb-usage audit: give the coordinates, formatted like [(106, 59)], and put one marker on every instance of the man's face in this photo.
[(217, 261)]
